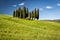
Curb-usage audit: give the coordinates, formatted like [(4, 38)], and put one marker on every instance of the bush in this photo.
[(28, 18)]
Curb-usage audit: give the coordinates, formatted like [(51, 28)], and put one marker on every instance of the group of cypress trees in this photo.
[(25, 14)]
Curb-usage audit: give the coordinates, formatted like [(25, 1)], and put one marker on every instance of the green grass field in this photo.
[(21, 29)]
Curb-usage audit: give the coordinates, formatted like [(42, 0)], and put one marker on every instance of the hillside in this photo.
[(56, 20), (21, 29)]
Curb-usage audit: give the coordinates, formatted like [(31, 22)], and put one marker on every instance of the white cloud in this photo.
[(58, 4), (14, 5), (21, 4), (41, 9), (49, 7)]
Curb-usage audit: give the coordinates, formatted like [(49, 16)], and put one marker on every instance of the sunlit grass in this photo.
[(21, 29)]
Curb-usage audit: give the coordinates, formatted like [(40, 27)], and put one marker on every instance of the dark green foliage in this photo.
[(37, 14), (32, 15), (13, 13), (19, 12), (25, 14)]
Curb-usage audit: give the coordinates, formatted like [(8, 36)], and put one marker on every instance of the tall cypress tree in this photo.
[(32, 15), (24, 12), (27, 12), (37, 14), (13, 13), (16, 13), (19, 12)]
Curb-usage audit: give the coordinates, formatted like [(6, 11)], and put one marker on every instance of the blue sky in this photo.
[(49, 9)]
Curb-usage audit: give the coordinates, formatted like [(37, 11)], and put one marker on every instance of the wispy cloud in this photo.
[(41, 9), (18, 5), (14, 5), (21, 4), (58, 4), (49, 7)]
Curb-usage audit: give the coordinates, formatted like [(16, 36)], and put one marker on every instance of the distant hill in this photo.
[(57, 20), (21, 29)]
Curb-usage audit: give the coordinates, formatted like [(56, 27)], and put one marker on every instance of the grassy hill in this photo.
[(21, 29)]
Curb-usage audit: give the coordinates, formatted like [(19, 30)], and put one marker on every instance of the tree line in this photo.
[(25, 14)]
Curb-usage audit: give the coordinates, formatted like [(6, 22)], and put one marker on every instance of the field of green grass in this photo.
[(21, 29)]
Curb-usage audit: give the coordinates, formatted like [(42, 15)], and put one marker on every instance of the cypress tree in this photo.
[(24, 12), (20, 12), (37, 14), (13, 13), (32, 15), (29, 15), (27, 12), (16, 13)]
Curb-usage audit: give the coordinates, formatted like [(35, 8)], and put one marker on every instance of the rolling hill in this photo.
[(21, 29), (55, 20)]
